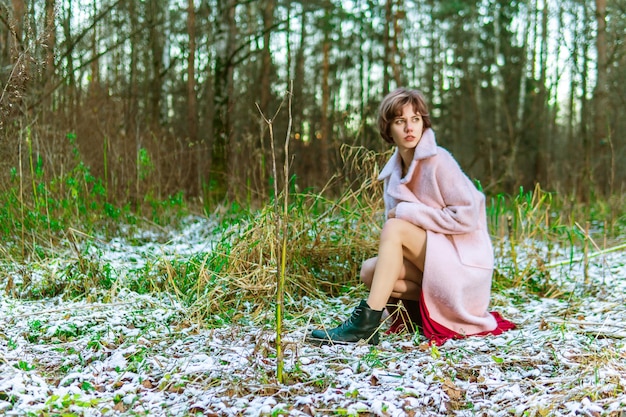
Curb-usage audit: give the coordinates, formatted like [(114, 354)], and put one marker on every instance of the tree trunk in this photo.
[(154, 20), (266, 59), (230, 100), (192, 106), (324, 122), (224, 105), (95, 63), (130, 106), (542, 138), (205, 153), (70, 92), (299, 77), (192, 100), (50, 35), (363, 89), (50, 42), (587, 145), (396, 52), (601, 97), (387, 58), (509, 170), (430, 68)]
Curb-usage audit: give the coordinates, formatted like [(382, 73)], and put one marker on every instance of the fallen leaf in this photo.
[(454, 393)]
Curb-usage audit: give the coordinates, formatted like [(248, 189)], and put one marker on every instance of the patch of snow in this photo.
[(133, 356)]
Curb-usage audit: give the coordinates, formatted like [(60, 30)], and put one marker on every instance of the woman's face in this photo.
[(406, 128)]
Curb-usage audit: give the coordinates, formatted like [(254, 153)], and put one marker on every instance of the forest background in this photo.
[(157, 98)]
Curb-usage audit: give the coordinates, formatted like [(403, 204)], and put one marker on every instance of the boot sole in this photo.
[(321, 342)]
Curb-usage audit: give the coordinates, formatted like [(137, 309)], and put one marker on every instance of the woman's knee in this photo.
[(394, 229), (367, 271), (401, 230)]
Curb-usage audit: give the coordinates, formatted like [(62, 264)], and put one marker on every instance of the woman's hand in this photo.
[(391, 213)]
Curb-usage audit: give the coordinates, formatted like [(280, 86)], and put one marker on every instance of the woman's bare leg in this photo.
[(399, 240), (408, 286)]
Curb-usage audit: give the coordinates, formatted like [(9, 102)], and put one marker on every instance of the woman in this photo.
[(434, 251)]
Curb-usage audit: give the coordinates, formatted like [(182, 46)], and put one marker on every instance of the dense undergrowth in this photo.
[(55, 224)]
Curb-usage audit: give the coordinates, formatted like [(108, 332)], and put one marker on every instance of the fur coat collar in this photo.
[(426, 148)]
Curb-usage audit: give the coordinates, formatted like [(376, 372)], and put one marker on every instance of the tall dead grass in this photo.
[(327, 241)]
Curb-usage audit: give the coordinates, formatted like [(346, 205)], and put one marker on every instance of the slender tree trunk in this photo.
[(95, 63), (230, 97), (387, 57), (224, 104), (325, 123), (432, 40), (601, 97), (587, 144), (133, 90), (509, 169), (51, 38), (50, 42), (362, 70), (396, 52), (542, 143), (71, 72), (288, 46), (192, 106), (521, 101), (192, 98), (205, 152), (299, 82), (266, 57), (155, 19)]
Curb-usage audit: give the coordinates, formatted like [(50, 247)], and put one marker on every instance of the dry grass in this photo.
[(327, 241), (325, 251)]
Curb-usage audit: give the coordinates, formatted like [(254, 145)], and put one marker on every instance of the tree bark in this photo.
[(155, 19), (50, 34), (70, 92), (387, 58), (224, 104), (192, 106), (324, 123), (587, 145), (601, 96), (130, 113), (543, 148), (299, 76), (95, 63), (50, 42), (396, 51), (192, 99), (266, 59)]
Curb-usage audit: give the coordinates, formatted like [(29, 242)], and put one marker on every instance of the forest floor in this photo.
[(141, 355)]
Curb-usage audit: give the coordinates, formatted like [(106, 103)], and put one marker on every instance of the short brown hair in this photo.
[(391, 107)]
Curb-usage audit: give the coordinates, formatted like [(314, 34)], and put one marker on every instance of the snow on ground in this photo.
[(140, 355)]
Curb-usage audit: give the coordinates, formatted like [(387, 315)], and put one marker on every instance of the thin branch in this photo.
[(589, 256)]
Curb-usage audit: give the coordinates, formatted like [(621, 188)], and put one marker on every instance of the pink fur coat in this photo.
[(437, 196)]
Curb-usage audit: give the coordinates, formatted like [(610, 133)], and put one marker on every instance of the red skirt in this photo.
[(439, 334)]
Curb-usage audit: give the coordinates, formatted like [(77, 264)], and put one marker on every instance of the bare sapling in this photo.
[(281, 227)]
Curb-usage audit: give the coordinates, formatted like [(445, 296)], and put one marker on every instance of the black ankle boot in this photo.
[(362, 325)]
